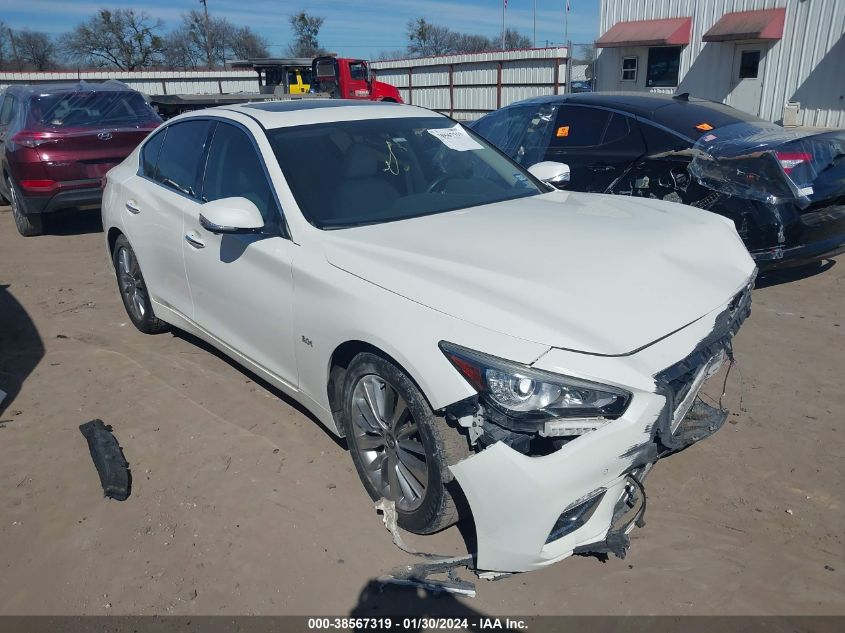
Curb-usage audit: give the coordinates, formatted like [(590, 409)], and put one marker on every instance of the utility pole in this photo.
[(204, 4), (535, 23)]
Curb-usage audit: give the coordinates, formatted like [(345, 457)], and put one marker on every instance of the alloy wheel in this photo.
[(131, 283), (387, 439)]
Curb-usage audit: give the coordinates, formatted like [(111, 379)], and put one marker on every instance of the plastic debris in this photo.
[(111, 465), (419, 575)]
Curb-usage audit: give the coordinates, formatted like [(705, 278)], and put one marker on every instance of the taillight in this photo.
[(791, 160), (37, 185), (33, 139)]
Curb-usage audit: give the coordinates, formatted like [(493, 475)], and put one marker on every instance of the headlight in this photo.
[(529, 395)]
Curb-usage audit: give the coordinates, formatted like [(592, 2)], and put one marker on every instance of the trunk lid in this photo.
[(86, 154), (763, 161)]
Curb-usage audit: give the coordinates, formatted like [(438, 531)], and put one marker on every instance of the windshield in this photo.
[(94, 108), (351, 173)]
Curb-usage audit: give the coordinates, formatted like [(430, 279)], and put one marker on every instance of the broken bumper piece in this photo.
[(531, 512)]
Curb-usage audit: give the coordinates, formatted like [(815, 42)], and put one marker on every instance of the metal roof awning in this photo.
[(766, 24), (668, 32)]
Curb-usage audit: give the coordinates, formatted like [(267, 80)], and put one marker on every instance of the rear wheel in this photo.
[(400, 448), (28, 225), (133, 289)]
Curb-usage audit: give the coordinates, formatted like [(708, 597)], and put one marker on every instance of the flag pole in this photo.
[(535, 23), (566, 26)]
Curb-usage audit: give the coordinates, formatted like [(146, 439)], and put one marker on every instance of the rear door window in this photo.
[(658, 140), (181, 155), (150, 152), (578, 127), (234, 169)]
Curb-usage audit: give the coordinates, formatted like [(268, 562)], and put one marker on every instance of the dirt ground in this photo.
[(242, 504)]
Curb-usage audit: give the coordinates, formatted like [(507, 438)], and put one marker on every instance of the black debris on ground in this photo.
[(111, 465)]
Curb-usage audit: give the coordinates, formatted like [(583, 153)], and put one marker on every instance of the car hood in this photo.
[(592, 273)]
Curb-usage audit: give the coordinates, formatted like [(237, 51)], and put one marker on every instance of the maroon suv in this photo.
[(57, 141)]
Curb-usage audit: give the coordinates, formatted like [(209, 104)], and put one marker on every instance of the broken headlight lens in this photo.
[(520, 391)]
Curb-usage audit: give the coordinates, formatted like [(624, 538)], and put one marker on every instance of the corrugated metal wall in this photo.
[(150, 82), (467, 86), (806, 66)]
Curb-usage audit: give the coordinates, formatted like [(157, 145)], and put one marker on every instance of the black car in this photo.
[(784, 190)]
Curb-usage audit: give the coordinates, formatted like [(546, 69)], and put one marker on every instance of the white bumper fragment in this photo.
[(516, 499)]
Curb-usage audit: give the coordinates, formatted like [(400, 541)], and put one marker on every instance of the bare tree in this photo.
[(306, 29), (246, 43), (394, 54), (468, 43), (515, 39), (190, 44), (5, 48), (179, 53), (34, 50), (122, 38), (205, 39), (425, 38)]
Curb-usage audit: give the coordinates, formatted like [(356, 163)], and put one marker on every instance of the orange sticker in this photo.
[(563, 130), (704, 127)]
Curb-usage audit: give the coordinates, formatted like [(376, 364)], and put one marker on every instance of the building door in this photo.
[(747, 77)]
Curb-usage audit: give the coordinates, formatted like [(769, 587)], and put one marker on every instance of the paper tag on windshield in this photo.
[(455, 138)]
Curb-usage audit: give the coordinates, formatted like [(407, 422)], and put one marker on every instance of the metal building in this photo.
[(783, 60)]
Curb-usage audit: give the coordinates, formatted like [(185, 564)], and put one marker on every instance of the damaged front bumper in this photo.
[(585, 497)]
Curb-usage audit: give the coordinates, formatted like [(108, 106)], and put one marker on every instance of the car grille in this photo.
[(679, 378)]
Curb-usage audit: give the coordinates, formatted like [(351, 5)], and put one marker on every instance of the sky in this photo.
[(356, 29)]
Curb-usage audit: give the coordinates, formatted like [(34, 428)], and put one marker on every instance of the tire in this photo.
[(386, 443), (28, 224), (133, 289)]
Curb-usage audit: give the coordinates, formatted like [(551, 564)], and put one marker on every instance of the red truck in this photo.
[(329, 77), (345, 78)]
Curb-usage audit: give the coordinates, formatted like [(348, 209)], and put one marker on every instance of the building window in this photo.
[(749, 64), (663, 64), (629, 68)]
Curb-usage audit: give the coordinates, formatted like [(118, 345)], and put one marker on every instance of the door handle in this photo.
[(599, 168), (132, 207), (194, 240)]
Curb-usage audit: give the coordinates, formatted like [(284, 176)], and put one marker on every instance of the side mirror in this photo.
[(231, 215), (551, 173)]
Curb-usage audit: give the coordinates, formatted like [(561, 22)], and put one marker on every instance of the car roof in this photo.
[(278, 114), (644, 104), (60, 87), (681, 113)]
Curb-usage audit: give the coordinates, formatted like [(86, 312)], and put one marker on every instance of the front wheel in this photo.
[(400, 448), (133, 289)]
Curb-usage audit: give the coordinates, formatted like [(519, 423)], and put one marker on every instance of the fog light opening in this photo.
[(576, 515)]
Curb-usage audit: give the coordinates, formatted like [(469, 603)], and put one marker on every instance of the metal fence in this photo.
[(467, 86), (151, 82)]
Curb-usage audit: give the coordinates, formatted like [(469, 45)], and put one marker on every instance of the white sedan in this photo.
[(485, 343)]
